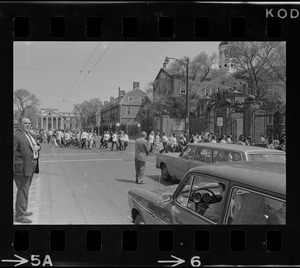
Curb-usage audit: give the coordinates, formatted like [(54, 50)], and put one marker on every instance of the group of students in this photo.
[(175, 143), (278, 143), (83, 139), (110, 140)]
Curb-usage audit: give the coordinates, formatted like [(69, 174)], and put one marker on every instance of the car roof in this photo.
[(237, 147), (270, 176)]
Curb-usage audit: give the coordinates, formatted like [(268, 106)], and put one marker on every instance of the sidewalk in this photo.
[(33, 198)]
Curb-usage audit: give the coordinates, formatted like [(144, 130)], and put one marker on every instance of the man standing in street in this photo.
[(25, 149), (141, 153)]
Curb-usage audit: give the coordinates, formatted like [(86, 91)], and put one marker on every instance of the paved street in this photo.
[(78, 186)]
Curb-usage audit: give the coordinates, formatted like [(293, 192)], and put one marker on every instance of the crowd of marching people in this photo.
[(67, 138), (175, 143), (118, 140), (84, 139)]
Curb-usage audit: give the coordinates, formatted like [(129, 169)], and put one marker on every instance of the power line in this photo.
[(91, 55), (101, 56), (65, 99), (92, 68), (78, 76), (81, 83)]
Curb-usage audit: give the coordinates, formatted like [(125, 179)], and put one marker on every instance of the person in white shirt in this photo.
[(114, 141), (229, 139), (126, 140), (84, 139), (151, 141), (165, 142), (174, 143), (79, 139), (121, 138), (182, 142), (90, 140), (45, 135), (223, 139), (213, 139), (157, 140), (67, 138), (105, 139)]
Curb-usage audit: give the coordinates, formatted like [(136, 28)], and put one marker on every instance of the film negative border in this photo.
[(144, 21), (182, 246)]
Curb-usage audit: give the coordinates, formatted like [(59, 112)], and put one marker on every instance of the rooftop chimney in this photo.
[(136, 85)]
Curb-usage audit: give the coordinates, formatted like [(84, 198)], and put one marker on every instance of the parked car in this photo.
[(199, 154), (232, 193)]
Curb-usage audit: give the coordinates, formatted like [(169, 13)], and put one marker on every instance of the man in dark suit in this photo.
[(25, 161), (141, 153)]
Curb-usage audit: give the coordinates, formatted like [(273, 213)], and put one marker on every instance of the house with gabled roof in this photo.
[(124, 110)]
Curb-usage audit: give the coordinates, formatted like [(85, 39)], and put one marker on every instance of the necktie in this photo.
[(35, 153)]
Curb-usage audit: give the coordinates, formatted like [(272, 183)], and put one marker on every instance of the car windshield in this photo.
[(267, 157)]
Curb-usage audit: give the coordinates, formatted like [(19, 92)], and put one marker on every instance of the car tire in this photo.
[(165, 174), (139, 220)]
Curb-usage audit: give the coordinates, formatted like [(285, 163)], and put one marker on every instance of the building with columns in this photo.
[(50, 118)]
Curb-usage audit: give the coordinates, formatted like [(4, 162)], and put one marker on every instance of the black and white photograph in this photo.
[(139, 132)]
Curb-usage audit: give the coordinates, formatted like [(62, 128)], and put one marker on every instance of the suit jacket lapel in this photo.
[(26, 140)]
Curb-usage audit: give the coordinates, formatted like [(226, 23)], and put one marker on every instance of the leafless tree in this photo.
[(27, 105), (87, 110)]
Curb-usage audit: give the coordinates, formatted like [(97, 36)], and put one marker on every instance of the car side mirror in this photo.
[(166, 198)]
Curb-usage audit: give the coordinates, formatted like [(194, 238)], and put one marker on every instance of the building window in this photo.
[(270, 119), (128, 110), (282, 119), (182, 90), (142, 98), (130, 98), (201, 108)]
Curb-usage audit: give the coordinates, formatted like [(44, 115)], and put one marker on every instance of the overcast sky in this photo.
[(61, 74)]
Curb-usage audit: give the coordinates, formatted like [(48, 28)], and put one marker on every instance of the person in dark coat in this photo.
[(141, 153), (25, 164)]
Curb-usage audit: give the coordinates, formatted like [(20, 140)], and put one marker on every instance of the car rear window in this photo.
[(247, 207), (226, 156), (267, 157)]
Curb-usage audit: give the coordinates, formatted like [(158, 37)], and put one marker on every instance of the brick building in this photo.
[(124, 111), (251, 120), (170, 85)]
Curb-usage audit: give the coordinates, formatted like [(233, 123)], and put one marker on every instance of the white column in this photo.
[(42, 118), (47, 127), (56, 118), (62, 123), (52, 122)]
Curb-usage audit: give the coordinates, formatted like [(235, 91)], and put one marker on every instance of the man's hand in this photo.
[(36, 147)]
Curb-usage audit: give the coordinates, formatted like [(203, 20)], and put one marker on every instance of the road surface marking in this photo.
[(72, 154), (77, 160), (80, 154)]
